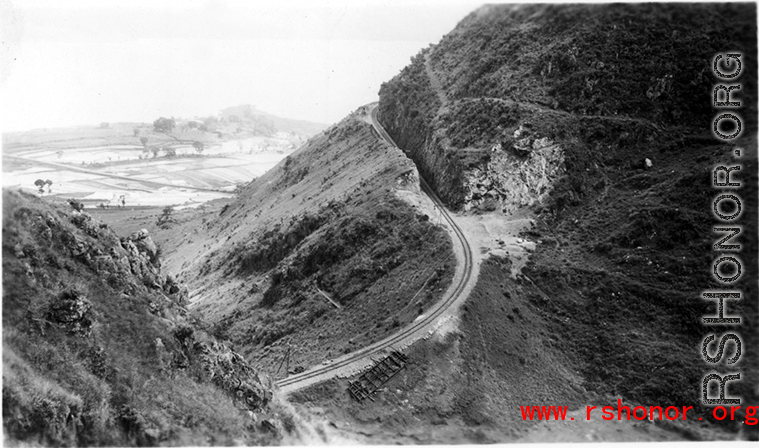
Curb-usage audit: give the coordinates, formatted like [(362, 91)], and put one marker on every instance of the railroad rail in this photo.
[(413, 330)]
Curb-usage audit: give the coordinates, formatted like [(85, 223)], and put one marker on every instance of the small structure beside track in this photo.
[(370, 381)]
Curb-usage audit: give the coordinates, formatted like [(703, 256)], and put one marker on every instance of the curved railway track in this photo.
[(414, 330)]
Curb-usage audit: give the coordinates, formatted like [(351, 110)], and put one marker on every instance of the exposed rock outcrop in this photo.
[(220, 365), (145, 245), (233, 374), (515, 180), (72, 310), (177, 292), (144, 258)]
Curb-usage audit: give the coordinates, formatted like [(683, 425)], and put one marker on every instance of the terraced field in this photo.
[(102, 174)]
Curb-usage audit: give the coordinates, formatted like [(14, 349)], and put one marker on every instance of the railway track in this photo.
[(414, 330)]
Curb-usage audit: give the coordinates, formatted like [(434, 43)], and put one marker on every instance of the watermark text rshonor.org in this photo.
[(747, 416), (727, 209)]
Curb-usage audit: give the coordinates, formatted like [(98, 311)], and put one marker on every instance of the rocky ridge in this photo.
[(76, 290)]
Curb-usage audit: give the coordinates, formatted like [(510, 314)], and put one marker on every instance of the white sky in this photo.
[(85, 62)]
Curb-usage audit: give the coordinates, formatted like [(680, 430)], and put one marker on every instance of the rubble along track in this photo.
[(463, 280)]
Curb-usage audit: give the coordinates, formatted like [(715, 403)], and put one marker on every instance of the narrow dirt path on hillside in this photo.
[(541, 108), (464, 280), (437, 86), (435, 83)]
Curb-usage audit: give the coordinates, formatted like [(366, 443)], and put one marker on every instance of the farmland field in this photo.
[(97, 173)]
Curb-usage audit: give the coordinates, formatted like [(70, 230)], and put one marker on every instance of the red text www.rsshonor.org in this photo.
[(746, 414)]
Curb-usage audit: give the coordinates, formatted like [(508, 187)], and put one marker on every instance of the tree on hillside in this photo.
[(105, 125), (144, 141), (170, 152), (49, 184), (164, 125), (40, 184), (166, 217), (199, 147), (59, 153), (154, 150)]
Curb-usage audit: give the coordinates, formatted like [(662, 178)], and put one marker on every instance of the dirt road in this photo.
[(464, 279)]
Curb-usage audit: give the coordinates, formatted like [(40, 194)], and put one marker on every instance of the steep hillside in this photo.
[(509, 76), (553, 110), (321, 255), (99, 349)]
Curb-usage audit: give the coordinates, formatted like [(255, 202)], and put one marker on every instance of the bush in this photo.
[(164, 125)]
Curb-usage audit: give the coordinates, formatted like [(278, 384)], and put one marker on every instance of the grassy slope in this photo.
[(325, 217), (110, 384), (624, 253), (603, 58)]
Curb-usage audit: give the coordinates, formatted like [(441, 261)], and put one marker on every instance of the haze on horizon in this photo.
[(83, 63)]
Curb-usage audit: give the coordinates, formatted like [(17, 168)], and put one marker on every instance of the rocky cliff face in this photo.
[(514, 181), (474, 153), (408, 107)]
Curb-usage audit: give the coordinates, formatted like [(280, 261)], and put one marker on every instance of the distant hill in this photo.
[(232, 123), (249, 114)]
